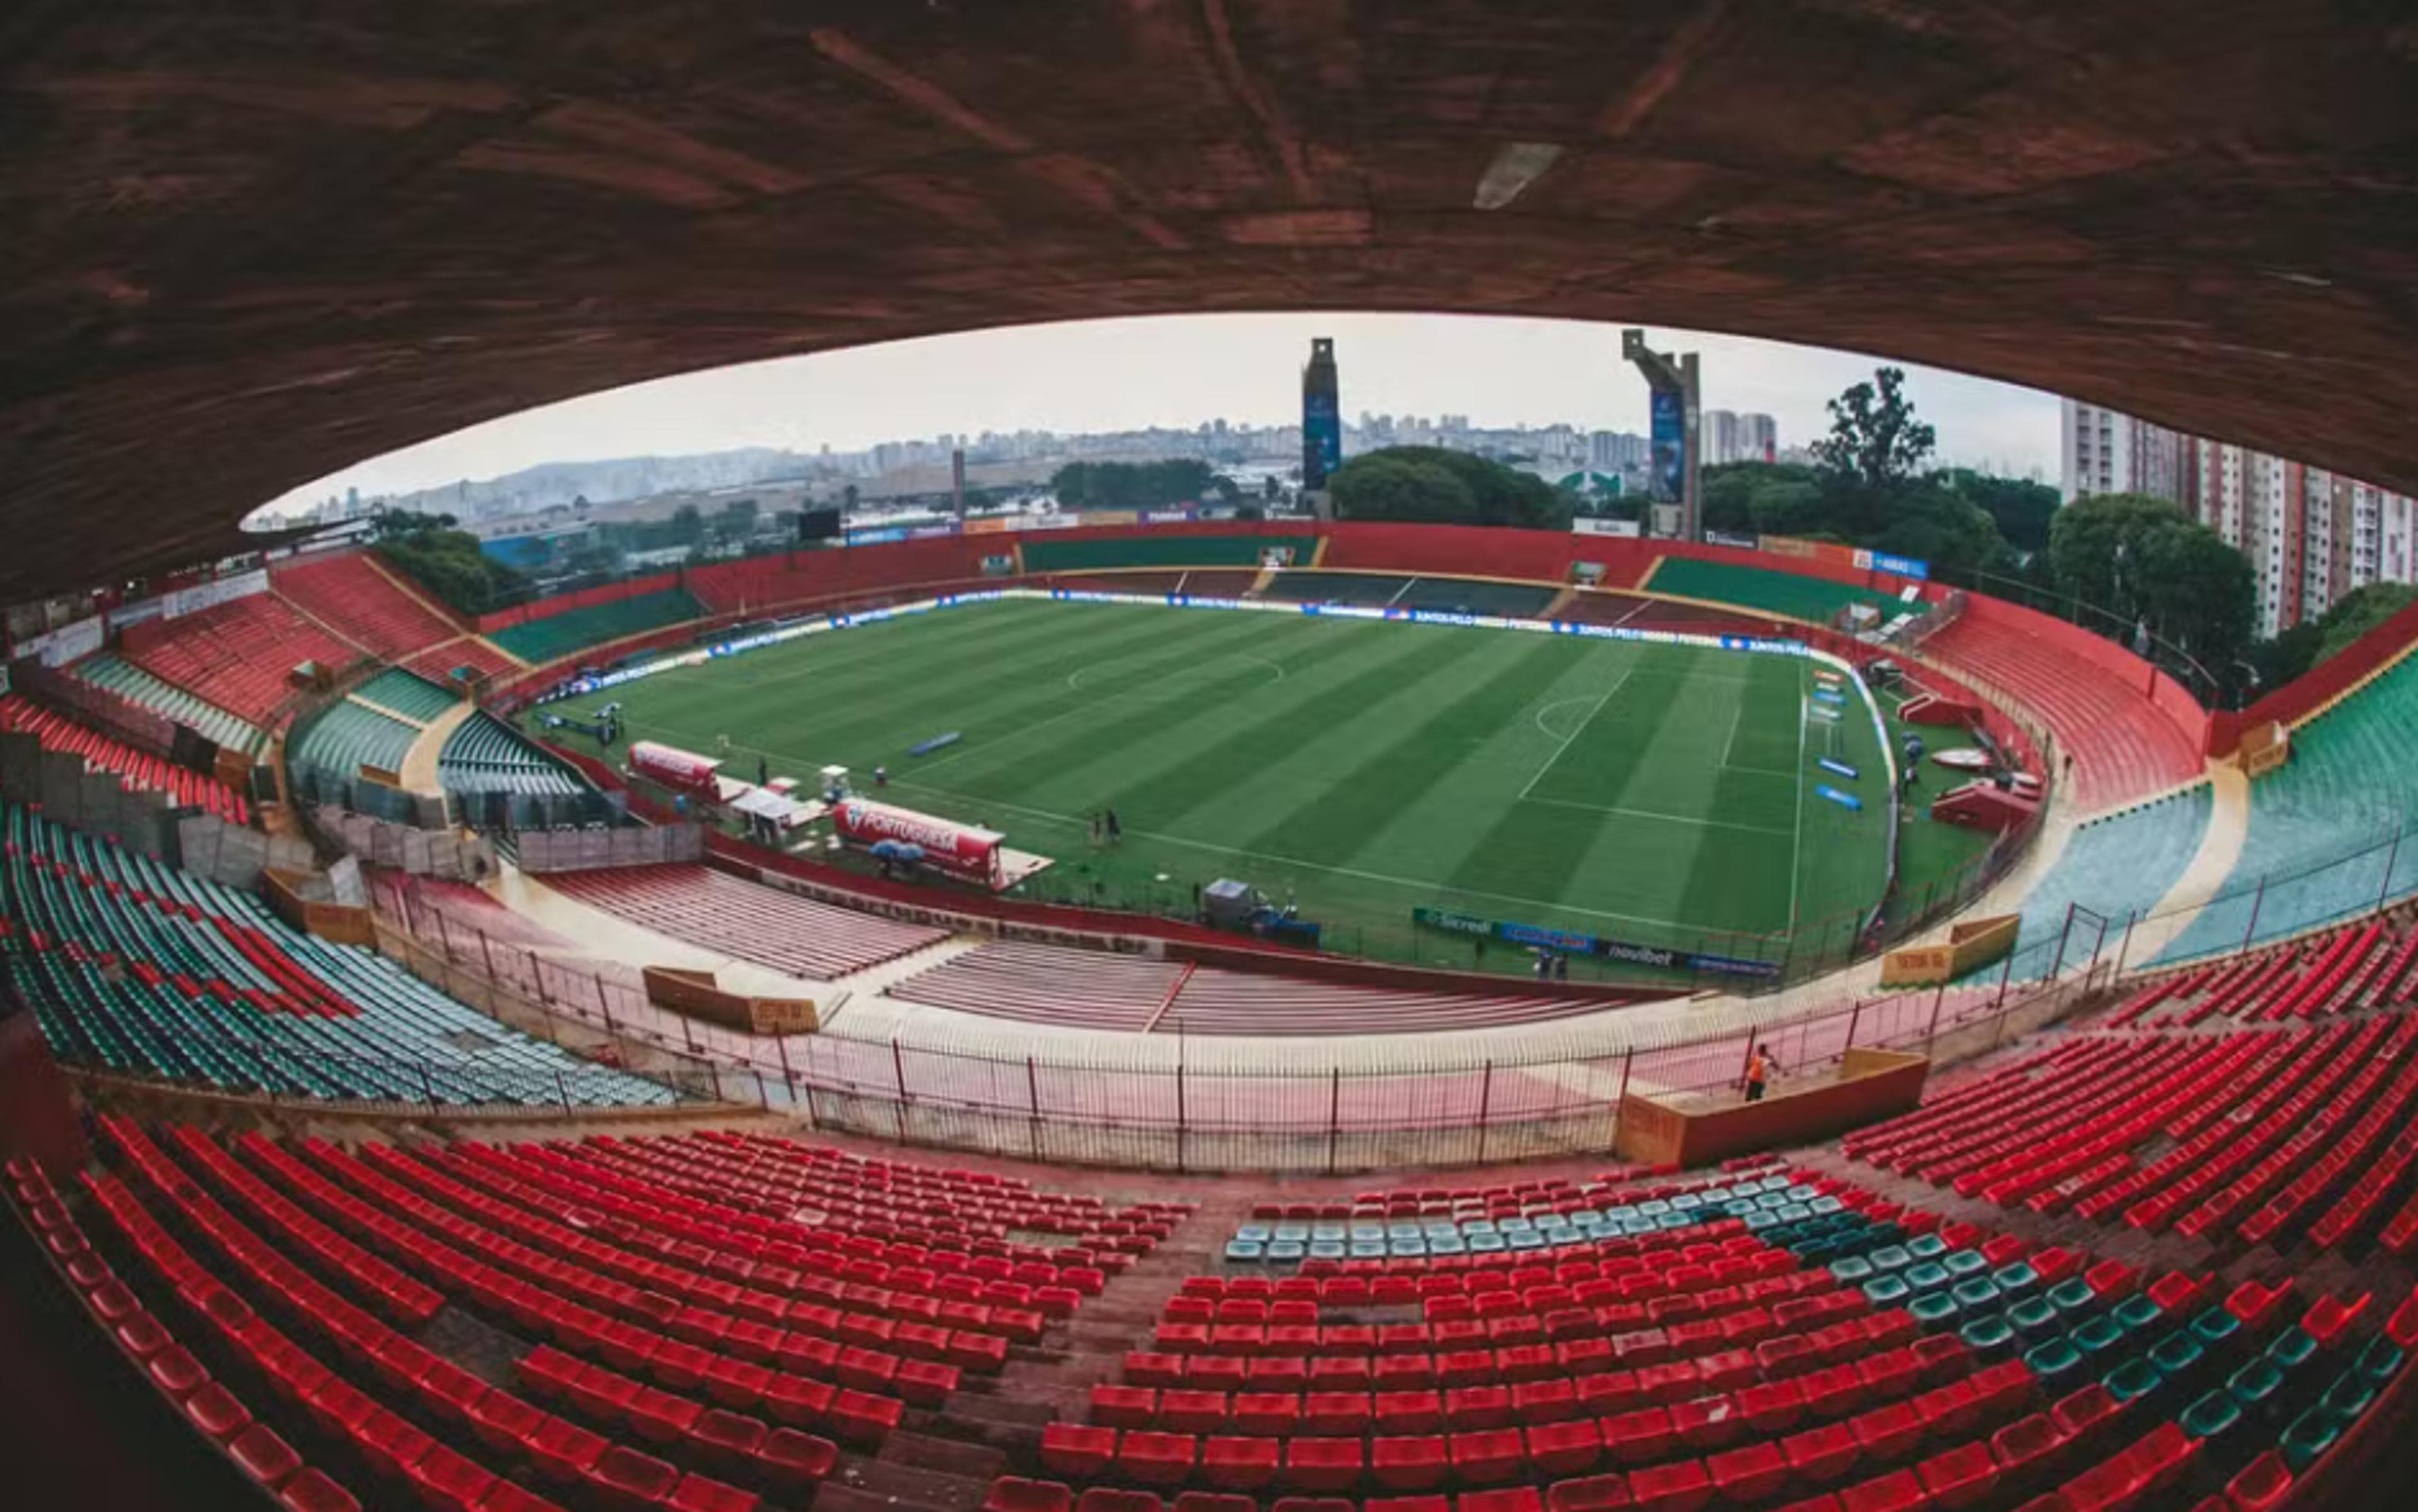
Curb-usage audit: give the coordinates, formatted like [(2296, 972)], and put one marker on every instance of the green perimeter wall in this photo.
[(1041, 554)]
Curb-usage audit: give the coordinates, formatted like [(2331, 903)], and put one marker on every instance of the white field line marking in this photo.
[(1604, 699), (1797, 826), (1655, 813), (1735, 710)]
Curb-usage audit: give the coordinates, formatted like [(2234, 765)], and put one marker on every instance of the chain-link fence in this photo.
[(1163, 1100)]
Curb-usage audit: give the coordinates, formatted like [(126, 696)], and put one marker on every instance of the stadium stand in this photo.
[(1814, 598), (670, 1342), (237, 655), (137, 967), (1742, 1339), (438, 661), (1370, 590), (132, 682), (485, 755), (348, 591), (2118, 865), (2293, 1139), (1048, 984), (2124, 746), (557, 635), (345, 735), (1082, 555), (754, 922), (399, 692), (1216, 1001), (183, 785), (2349, 787), (1537, 555)]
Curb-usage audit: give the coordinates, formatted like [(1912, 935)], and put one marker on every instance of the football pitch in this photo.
[(1662, 795)]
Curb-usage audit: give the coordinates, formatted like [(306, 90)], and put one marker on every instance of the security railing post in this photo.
[(2384, 888), (1333, 1114), (1854, 1015), (1179, 1129), (2257, 902), (427, 1087), (2124, 946), (2058, 965), (488, 956), (1485, 1106), (1931, 1035), (562, 1090)]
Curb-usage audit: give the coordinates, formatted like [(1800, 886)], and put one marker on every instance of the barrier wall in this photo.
[(585, 851), (2171, 698), (2327, 681), (1870, 1085)]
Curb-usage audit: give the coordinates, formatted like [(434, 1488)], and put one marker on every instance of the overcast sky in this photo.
[(1181, 370)]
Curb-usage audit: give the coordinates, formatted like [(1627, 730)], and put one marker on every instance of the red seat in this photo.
[(263, 1456), (1408, 1463), (1887, 1432), (1238, 1463), (798, 1462), (1322, 1464), (700, 1494), (1822, 1455), (1216, 1502), (1640, 1437), (629, 1481), (2026, 1447), (1749, 1473), (449, 1482), (1123, 1407), (1076, 1451), (1156, 1458), (563, 1451), (1593, 1494), (1960, 1477), (1565, 1448), (2261, 1484), (1677, 1485), (215, 1411), (1488, 1454), (1508, 1499), (310, 1491), (1900, 1490), (727, 1442)]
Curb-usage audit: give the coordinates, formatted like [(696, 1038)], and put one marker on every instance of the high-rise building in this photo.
[(2106, 451), (1322, 417)]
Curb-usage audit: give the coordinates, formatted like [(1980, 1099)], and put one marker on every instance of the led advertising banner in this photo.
[(1668, 481)]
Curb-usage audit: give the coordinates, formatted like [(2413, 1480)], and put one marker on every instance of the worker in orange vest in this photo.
[(1758, 1071)]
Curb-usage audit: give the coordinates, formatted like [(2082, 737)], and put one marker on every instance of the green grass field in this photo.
[(1649, 793)]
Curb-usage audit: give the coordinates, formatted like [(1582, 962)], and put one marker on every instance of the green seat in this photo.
[(1933, 1310), (2211, 1418), (2055, 1362), (2137, 1312), (2072, 1296), (2016, 1280), (2349, 1396), (1890, 1257), (1886, 1292), (2256, 1385), (2097, 1336), (1928, 1276), (1976, 1295), (2178, 1354), (1926, 1246), (1853, 1270), (2292, 1350), (1989, 1337), (2217, 1328), (1962, 1264), (2310, 1435), (2134, 1379), (2380, 1360), (2033, 1316)]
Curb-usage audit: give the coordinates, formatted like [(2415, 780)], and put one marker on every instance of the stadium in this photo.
[(1070, 1014)]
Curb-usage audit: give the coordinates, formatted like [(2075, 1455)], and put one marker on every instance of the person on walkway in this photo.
[(1116, 831), (1758, 1073), (1095, 831)]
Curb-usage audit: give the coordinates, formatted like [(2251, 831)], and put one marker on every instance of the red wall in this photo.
[(2296, 698)]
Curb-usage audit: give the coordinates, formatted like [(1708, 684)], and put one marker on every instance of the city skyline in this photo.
[(1179, 372)]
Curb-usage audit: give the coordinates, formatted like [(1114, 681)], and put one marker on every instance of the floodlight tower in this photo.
[(1675, 449), (1322, 423)]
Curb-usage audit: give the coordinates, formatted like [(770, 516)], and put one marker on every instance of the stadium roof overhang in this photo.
[(247, 246)]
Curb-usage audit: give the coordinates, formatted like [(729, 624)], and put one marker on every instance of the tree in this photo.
[(2140, 561), (2021, 508), (688, 525), (2360, 611), (449, 564), (385, 525), (1131, 485), (1432, 485), (1874, 439)]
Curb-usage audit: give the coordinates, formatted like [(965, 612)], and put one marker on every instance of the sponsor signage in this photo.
[(958, 848), (1535, 937), (1881, 561), (674, 767), (65, 644), (1590, 524)]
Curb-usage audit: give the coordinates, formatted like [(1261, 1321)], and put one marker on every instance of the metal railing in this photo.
[(1192, 1102)]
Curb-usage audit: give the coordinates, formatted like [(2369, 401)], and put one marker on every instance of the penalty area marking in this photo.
[(1602, 698)]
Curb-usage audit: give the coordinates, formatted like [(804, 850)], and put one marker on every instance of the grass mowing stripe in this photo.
[(1121, 725), (1361, 799), (1533, 849), (1277, 722)]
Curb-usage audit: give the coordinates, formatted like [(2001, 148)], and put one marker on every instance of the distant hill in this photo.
[(606, 481)]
